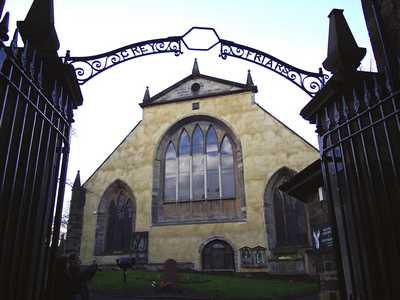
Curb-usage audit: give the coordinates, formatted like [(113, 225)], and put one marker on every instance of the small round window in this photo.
[(195, 87)]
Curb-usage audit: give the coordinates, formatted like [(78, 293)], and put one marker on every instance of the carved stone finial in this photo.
[(38, 26), (195, 70), (344, 56), (77, 181), (2, 3), (146, 97), (4, 27), (249, 81)]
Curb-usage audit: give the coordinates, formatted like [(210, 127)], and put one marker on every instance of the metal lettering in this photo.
[(143, 49), (269, 64), (259, 57)]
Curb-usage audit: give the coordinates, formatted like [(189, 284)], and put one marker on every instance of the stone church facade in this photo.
[(197, 181)]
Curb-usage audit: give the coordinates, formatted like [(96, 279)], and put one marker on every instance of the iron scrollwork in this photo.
[(87, 67), (309, 82)]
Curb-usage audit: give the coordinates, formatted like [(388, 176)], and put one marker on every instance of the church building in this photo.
[(197, 180)]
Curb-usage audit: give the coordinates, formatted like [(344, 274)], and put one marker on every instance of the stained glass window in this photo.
[(199, 169), (119, 223), (228, 181), (212, 164), (198, 164), (184, 167), (170, 173)]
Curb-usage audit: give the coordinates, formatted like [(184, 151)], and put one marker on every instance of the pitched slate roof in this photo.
[(197, 86)]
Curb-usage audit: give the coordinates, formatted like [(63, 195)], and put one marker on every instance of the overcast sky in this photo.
[(293, 31)]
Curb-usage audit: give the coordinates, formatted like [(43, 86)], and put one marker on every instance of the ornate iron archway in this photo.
[(87, 67)]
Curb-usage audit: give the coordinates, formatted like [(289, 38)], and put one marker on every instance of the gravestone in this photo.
[(169, 277)]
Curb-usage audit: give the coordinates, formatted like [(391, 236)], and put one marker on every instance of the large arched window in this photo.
[(198, 166), (198, 174), (285, 216), (227, 170), (213, 182), (170, 173), (115, 220), (119, 224), (184, 167), (205, 167)]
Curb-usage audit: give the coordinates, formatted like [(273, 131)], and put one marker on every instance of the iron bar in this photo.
[(33, 208), (359, 190), (353, 227), (359, 139), (378, 146), (357, 169), (20, 210), (5, 98), (363, 128), (38, 89), (8, 173), (40, 112), (338, 207), (28, 188)]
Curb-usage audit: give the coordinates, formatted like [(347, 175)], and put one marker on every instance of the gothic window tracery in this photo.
[(198, 174), (116, 215), (198, 164), (119, 224), (285, 216), (202, 168)]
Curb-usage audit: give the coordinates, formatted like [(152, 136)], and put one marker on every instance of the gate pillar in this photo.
[(38, 93), (357, 120)]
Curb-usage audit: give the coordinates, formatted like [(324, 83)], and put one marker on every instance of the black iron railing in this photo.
[(35, 119), (359, 136)]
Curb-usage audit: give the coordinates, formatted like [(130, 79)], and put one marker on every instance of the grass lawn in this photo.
[(203, 285)]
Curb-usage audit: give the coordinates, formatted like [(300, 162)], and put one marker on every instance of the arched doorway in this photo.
[(218, 255)]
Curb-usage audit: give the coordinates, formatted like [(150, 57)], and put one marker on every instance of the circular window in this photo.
[(195, 87)]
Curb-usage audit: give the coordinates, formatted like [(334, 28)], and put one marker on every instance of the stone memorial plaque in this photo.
[(322, 237), (140, 246)]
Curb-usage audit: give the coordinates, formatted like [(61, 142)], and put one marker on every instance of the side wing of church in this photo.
[(197, 181)]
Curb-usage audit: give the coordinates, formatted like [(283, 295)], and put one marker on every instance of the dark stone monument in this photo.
[(169, 278), (75, 220)]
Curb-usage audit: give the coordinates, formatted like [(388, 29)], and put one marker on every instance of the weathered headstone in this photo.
[(169, 277)]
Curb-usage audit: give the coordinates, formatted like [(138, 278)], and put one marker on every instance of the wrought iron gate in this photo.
[(357, 116), (35, 118), (360, 143)]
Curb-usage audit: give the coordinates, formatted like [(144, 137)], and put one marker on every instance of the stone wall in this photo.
[(383, 22)]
